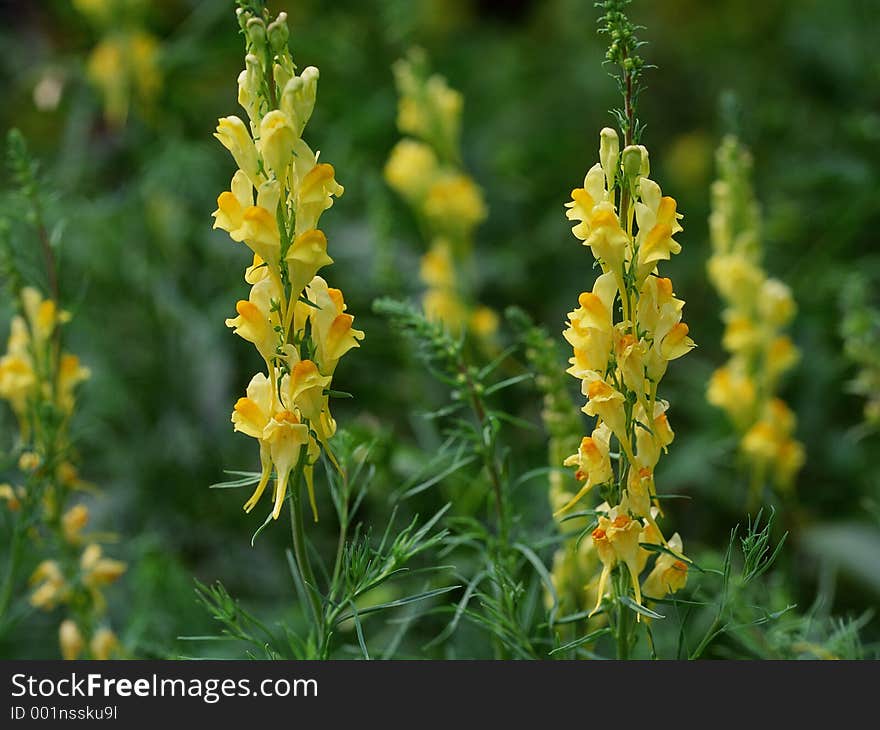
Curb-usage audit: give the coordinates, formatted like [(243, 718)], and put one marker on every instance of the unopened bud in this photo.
[(278, 33), (609, 148), (632, 161), (256, 33)]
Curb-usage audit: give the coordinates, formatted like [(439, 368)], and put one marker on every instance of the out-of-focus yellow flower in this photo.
[(97, 570), (411, 169), (757, 308), (104, 644), (51, 588), (425, 169), (73, 522), (70, 639), (11, 496)]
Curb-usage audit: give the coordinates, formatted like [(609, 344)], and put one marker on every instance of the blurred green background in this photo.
[(150, 283)]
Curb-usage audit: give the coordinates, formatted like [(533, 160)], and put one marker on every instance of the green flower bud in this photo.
[(278, 33), (256, 33), (609, 148)]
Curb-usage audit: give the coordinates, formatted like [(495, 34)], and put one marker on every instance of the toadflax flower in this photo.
[(757, 309), (298, 324), (629, 226)]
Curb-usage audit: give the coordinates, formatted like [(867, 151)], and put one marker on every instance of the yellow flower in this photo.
[(258, 317), (277, 141), (315, 193), (232, 203), (444, 305), (734, 391), (98, 570), (73, 521), (298, 97), (669, 573), (437, 269), (658, 223), (305, 257), (584, 200), (331, 327), (782, 355), (10, 496), (104, 644), (607, 403), (736, 278), (235, 137), (411, 169), (285, 436), (484, 322), (52, 589), (593, 464), (70, 640), (454, 202), (70, 374), (776, 304)]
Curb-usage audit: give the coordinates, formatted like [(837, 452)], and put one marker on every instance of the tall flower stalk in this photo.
[(757, 309), (296, 321), (426, 170), (39, 380), (624, 333)]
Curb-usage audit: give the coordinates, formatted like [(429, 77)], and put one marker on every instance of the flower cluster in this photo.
[(38, 380), (620, 361), (298, 324), (757, 308), (124, 65), (425, 169)]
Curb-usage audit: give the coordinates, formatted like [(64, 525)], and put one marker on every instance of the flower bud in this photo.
[(278, 33), (609, 149), (256, 33)]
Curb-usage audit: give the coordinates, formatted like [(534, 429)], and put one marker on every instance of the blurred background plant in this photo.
[(152, 285), (45, 514)]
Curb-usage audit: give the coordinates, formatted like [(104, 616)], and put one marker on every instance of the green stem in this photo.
[(11, 565), (300, 549), (623, 615)]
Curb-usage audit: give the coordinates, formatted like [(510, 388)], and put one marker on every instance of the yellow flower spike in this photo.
[(235, 137), (70, 639), (277, 140), (305, 257), (285, 436), (104, 644)]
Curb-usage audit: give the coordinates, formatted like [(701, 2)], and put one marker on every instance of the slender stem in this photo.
[(487, 451), (11, 565), (623, 616), (300, 549)]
